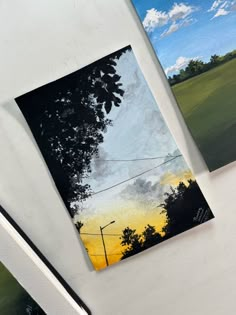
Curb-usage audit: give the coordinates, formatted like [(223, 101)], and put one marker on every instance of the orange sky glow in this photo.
[(130, 214)]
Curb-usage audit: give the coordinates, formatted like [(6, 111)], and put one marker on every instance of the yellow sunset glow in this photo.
[(130, 214), (134, 217), (174, 179)]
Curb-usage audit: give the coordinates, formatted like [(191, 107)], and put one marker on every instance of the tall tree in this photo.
[(194, 67), (185, 208), (68, 118), (214, 59), (136, 243), (132, 241), (150, 236)]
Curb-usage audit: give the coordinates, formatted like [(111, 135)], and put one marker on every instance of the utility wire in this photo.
[(107, 254), (133, 177), (100, 234), (133, 160)]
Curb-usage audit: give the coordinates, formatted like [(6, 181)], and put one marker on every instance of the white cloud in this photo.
[(176, 26), (222, 7), (221, 12), (215, 5), (154, 19), (180, 63), (225, 4), (173, 28), (178, 13)]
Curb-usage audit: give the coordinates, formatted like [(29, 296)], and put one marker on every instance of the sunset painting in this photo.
[(195, 42), (121, 176)]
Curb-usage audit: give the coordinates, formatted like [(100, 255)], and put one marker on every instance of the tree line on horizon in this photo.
[(184, 206), (196, 67)]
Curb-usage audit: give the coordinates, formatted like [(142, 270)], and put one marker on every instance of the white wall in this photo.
[(190, 274), (33, 274)]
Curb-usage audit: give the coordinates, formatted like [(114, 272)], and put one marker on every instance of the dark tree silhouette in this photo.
[(136, 243), (184, 206), (150, 236), (79, 226), (133, 241), (68, 118)]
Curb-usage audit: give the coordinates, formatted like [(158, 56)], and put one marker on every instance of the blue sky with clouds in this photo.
[(184, 30), (138, 131)]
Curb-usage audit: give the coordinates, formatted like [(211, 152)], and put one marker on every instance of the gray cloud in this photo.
[(144, 191), (100, 167)]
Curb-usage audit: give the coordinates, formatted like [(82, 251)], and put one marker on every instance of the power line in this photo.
[(107, 254), (133, 160), (133, 177), (100, 234)]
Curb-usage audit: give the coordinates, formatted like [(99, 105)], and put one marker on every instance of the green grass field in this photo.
[(208, 103), (14, 300)]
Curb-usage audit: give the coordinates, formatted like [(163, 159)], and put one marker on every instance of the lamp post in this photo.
[(103, 242)]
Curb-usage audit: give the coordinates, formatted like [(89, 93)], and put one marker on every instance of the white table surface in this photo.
[(193, 273)]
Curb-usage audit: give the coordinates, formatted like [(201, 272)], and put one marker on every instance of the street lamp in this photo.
[(103, 242)]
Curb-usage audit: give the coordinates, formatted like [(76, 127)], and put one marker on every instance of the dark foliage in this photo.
[(133, 241), (68, 118), (79, 226), (136, 243), (185, 207), (196, 67)]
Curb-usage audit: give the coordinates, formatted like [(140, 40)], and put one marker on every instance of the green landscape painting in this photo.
[(195, 42), (14, 300)]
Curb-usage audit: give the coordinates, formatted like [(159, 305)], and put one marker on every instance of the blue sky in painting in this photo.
[(184, 30), (127, 139)]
